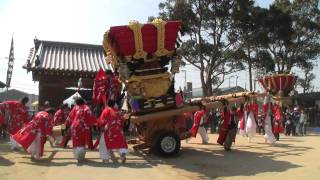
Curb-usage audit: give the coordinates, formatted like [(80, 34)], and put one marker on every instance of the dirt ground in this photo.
[(292, 158)]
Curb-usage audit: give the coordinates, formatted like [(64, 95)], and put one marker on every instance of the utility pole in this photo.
[(237, 80), (185, 82), (185, 79)]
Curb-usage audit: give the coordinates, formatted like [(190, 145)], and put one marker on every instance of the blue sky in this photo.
[(83, 21)]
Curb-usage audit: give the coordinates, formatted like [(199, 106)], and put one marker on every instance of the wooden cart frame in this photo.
[(158, 131)]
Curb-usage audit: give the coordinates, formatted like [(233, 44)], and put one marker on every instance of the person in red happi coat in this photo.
[(277, 124), (198, 125), (80, 119), (33, 135), (61, 115), (115, 88), (228, 127), (100, 86), (112, 137), (242, 118), (1, 119), (2, 133), (59, 118), (18, 116), (255, 108)]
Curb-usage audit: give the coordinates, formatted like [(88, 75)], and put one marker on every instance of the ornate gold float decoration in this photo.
[(149, 86), (279, 86), (135, 26), (161, 30)]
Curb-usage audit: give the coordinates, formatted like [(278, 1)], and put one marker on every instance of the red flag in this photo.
[(99, 87)]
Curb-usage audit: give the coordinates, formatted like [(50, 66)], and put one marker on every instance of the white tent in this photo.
[(71, 100)]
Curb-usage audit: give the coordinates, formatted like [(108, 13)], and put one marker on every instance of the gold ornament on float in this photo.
[(135, 26), (160, 25)]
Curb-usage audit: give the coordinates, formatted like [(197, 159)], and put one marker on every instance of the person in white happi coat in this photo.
[(267, 117)]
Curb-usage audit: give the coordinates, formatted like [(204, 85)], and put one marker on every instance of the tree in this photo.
[(248, 30), (207, 26), (292, 34), (306, 82)]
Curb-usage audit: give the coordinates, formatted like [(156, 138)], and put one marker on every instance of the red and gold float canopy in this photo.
[(136, 41), (278, 84)]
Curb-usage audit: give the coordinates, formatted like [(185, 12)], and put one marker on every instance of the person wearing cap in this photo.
[(33, 135), (45, 106), (80, 119), (112, 138), (18, 116)]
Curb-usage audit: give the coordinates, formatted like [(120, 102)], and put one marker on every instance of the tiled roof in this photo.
[(66, 57)]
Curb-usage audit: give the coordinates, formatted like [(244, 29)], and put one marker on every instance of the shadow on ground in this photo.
[(5, 162), (4, 149), (209, 161), (51, 160), (213, 163)]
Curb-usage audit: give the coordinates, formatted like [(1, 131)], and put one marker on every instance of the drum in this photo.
[(57, 130)]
